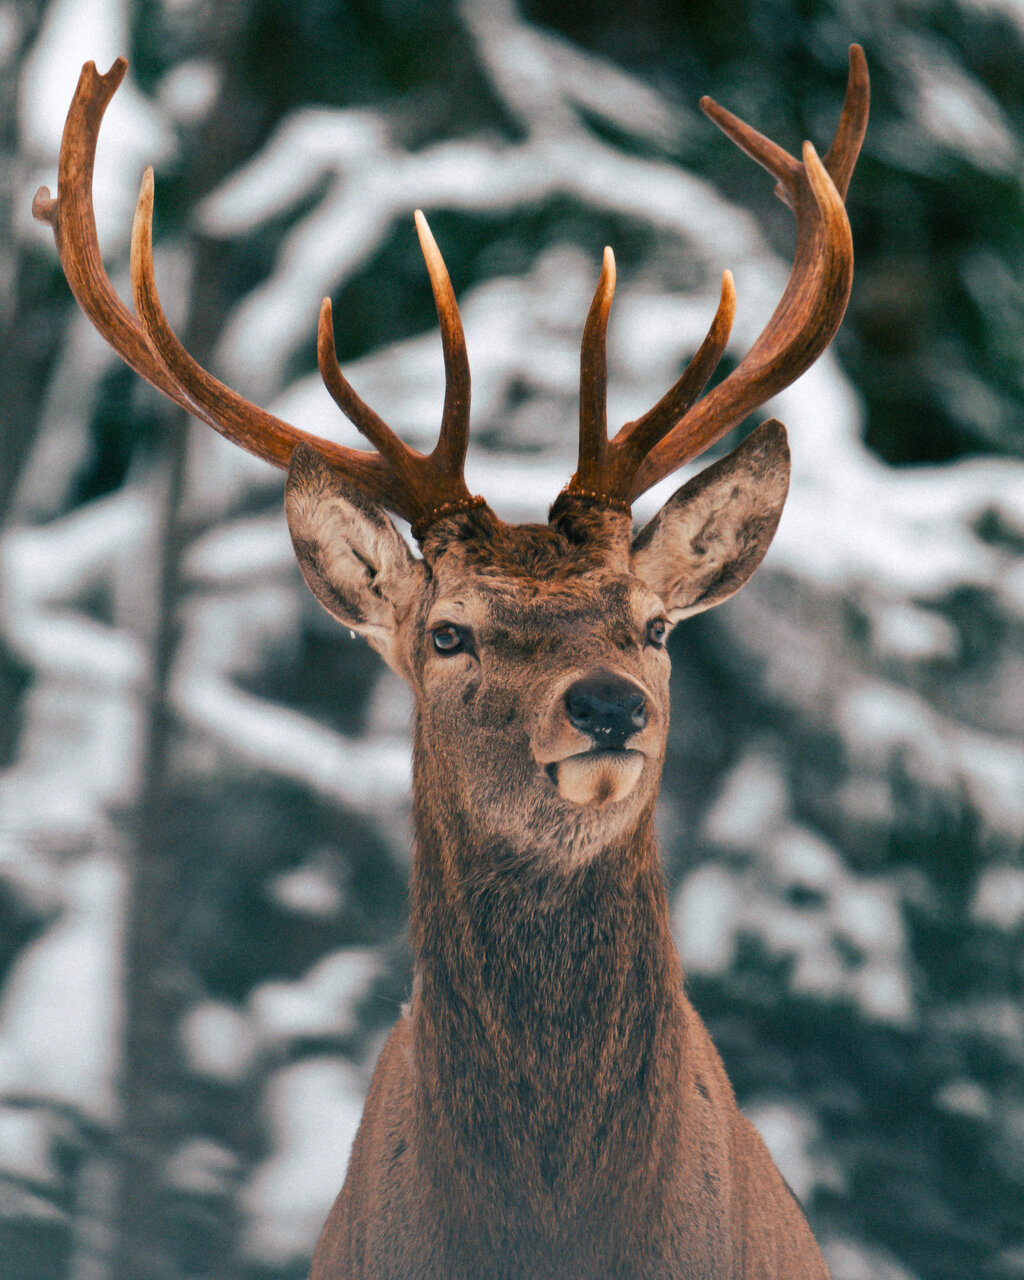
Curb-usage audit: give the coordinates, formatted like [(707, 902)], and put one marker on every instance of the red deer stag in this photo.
[(549, 1104)]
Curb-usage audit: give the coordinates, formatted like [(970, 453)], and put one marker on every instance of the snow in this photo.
[(956, 110), (202, 1168), (883, 726), (323, 1004), (781, 882), (189, 90), (26, 1146), (219, 1041), (704, 919), (965, 1098), (362, 775), (999, 898), (791, 1134), (310, 889), (61, 1008), (895, 545), (853, 1260), (314, 1108), (751, 803), (902, 631)]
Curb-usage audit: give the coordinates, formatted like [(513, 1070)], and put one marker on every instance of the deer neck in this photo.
[(548, 1018)]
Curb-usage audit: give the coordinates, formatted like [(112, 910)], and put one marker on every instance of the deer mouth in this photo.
[(595, 779)]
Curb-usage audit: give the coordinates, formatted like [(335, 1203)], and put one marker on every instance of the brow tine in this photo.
[(420, 488)]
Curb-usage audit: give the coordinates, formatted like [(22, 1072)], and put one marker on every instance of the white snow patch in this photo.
[(842, 932), (311, 889), (751, 804), (854, 1260), (61, 1008), (219, 1041), (957, 110), (201, 1167), (314, 1108), (704, 919), (26, 1145), (189, 90), (999, 898), (323, 1003), (791, 1134), (884, 726), (966, 1098), (363, 774), (901, 630)]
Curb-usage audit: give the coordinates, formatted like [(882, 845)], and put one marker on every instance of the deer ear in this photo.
[(353, 558), (711, 535)]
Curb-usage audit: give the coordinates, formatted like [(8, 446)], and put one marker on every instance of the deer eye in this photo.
[(448, 638), (657, 630)]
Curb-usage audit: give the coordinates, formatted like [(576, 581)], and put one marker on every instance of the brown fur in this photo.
[(549, 1104)]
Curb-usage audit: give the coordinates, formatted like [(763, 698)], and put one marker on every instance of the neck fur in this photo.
[(548, 1021)]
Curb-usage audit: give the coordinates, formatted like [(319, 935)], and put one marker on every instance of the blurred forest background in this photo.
[(204, 788)]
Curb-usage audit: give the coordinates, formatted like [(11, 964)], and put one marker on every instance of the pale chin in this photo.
[(598, 778)]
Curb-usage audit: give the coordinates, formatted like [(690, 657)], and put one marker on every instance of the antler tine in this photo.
[(594, 383), (814, 301), (638, 438), (242, 422), (680, 426), (70, 215), (768, 154), (344, 395), (453, 442), (841, 156)]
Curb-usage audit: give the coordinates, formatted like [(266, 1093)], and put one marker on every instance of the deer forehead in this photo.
[(535, 614)]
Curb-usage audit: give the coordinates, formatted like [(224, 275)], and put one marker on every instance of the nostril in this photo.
[(606, 707), (580, 710), (639, 713)]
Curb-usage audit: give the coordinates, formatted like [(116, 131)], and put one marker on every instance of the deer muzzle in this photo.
[(596, 743)]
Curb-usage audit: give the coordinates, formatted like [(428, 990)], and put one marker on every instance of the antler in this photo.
[(680, 426), (416, 486)]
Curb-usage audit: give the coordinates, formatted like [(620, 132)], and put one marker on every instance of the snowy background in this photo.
[(204, 786)]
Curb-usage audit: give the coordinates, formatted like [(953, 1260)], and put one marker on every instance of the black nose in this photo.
[(607, 707)]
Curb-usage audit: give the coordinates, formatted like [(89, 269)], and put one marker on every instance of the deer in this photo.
[(550, 1103)]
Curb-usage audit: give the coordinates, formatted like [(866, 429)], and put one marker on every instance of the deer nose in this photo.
[(607, 707)]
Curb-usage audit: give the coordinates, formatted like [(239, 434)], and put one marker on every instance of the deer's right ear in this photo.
[(355, 561)]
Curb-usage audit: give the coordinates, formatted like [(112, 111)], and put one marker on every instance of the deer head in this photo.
[(536, 652)]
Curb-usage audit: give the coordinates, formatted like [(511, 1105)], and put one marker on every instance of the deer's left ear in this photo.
[(711, 535)]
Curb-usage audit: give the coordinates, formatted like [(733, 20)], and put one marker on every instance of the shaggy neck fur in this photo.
[(548, 1027)]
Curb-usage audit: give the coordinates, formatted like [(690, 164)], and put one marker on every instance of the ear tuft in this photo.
[(711, 535), (353, 558)]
